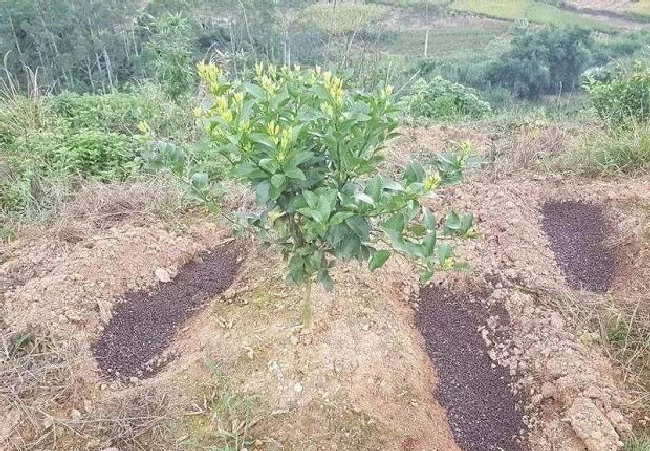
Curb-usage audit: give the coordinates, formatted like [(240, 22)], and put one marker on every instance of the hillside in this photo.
[(394, 225)]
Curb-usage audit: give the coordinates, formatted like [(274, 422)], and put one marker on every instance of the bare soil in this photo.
[(361, 379)]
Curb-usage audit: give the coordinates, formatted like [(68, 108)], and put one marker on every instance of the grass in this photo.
[(224, 420), (619, 151), (446, 44), (342, 19), (540, 13), (638, 444)]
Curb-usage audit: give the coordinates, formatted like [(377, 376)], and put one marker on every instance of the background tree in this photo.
[(548, 61)]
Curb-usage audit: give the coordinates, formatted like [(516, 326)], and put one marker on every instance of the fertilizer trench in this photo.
[(143, 326), (577, 231), (480, 404)]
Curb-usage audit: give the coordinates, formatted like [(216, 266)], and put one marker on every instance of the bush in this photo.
[(97, 154), (310, 149), (549, 61), (623, 97), (116, 112), (444, 100)]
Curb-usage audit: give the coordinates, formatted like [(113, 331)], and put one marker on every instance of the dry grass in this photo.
[(532, 146), (103, 205), (44, 406)]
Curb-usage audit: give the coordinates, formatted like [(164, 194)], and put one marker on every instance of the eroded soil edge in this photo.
[(144, 324)]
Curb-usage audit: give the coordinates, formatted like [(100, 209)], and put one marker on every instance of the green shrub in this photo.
[(621, 98), (549, 61), (102, 155), (310, 149), (116, 112), (444, 100)]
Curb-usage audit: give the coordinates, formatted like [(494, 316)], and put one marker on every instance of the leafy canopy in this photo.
[(310, 149), (548, 61)]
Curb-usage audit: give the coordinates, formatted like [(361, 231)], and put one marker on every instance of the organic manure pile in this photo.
[(543, 247), (142, 326), (577, 232), (482, 409)]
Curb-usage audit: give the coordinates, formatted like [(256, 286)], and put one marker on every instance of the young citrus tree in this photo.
[(310, 149)]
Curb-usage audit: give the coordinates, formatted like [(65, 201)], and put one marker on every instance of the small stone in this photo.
[(294, 340), (162, 275), (75, 414), (297, 387)]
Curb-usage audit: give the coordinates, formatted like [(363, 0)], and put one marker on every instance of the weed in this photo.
[(626, 151), (224, 420), (638, 444)]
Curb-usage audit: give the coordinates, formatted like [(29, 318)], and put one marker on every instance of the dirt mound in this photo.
[(142, 326), (476, 392), (554, 357), (577, 231)]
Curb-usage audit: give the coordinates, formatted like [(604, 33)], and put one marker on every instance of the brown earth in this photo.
[(361, 379)]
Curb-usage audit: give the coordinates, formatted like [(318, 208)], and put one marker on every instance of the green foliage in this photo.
[(310, 149), (549, 61), (168, 53), (116, 112), (340, 18), (444, 100), (623, 97), (97, 154), (620, 150)]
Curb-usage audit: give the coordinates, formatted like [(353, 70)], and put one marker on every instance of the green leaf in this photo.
[(311, 198), (340, 216), (277, 180), (295, 173), (452, 222), (264, 140), (199, 181), (378, 259), (444, 253), (324, 208), (262, 193), (301, 158), (429, 219), (426, 275), (244, 170), (414, 173), (325, 279)]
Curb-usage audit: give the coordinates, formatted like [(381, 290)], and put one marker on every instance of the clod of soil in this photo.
[(481, 407), (142, 327), (577, 232)]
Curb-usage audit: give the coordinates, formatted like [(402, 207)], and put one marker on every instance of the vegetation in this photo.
[(310, 149), (445, 101), (532, 10), (621, 98), (549, 61)]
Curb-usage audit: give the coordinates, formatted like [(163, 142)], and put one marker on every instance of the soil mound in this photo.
[(143, 326), (476, 392), (577, 232)]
